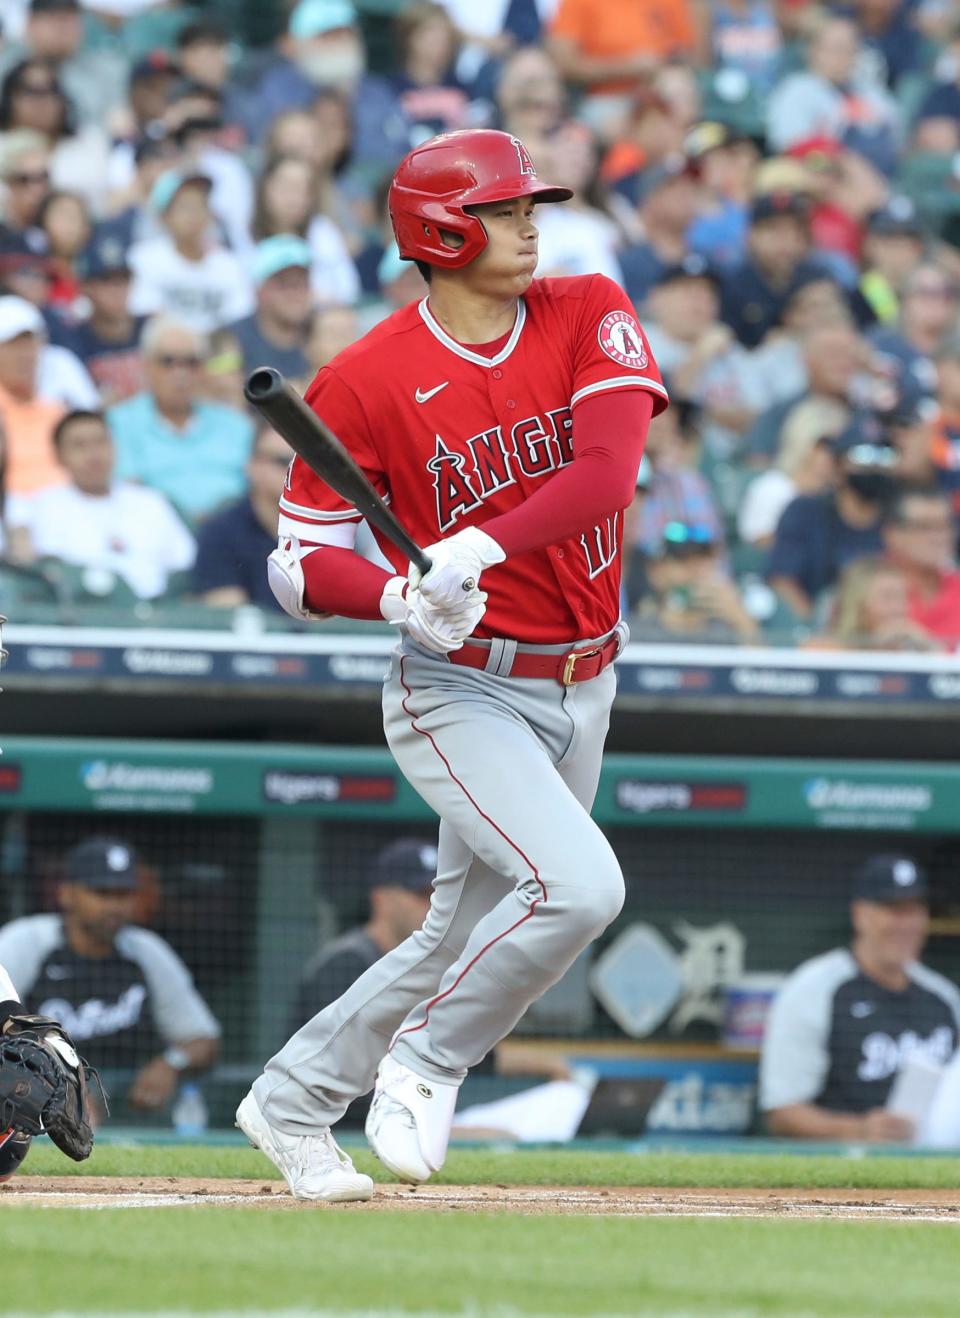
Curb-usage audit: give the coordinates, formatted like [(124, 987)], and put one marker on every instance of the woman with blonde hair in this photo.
[(871, 611), (805, 464)]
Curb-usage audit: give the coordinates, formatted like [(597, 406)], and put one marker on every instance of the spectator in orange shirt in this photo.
[(919, 535), (27, 419), (606, 46)]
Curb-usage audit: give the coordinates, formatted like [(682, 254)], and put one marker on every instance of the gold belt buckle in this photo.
[(573, 658)]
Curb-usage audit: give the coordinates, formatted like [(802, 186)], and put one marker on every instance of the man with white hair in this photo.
[(168, 437)]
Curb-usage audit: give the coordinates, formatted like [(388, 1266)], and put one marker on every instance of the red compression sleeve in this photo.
[(341, 582), (609, 432)]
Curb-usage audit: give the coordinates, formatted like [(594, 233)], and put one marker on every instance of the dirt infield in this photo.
[(169, 1191)]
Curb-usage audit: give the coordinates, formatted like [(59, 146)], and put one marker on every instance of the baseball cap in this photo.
[(281, 252), (773, 204), (898, 218), (673, 167), (169, 184), (103, 255), (780, 174), (709, 136), (102, 862), (18, 316), (311, 18), (686, 540), (817, 152), (692, 266), (155, 64), (410, 863), (54, 6), (888, 879)]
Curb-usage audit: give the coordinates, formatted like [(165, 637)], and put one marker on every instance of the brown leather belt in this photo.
[(570, 668)]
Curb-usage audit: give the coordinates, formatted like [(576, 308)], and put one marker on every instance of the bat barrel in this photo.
[(263, 385)]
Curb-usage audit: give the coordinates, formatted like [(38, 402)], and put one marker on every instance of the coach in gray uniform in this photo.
[(845, 1022), (122, 992)]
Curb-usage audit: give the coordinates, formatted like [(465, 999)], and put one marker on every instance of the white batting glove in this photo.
[(455, 562), (431, 628), (285, 575)]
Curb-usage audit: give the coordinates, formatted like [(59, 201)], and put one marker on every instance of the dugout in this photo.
[(254, 855)]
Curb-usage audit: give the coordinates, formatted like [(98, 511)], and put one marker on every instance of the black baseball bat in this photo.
[(310, 437)]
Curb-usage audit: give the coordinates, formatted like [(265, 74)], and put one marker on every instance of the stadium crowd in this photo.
[(776, 184)]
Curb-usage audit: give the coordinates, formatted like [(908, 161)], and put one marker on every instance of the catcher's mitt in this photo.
[(43, 1085)]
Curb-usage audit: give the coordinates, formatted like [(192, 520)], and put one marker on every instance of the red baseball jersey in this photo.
[(452, 438)]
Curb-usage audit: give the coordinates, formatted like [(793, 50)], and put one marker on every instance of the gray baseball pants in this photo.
[(525, 881)]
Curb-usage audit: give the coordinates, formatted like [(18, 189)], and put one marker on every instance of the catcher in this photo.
[(43, 1085)]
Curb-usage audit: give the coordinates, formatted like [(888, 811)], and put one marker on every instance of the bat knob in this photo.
[(469, 583)]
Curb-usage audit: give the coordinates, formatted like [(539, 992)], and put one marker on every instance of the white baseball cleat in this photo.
[(313, 1166), (408, 1125)]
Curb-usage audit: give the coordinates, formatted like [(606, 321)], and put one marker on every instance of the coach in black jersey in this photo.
[(845, 1022), (125, 996)]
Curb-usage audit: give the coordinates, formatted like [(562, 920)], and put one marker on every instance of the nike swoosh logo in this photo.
[(422, 397)]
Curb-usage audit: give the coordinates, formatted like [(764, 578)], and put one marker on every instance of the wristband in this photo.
[(177, 1057)]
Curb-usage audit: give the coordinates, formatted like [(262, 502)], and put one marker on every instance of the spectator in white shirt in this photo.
[(98, 523), (183, 273)]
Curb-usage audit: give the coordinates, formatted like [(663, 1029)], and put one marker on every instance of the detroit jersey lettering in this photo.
[(453, 438)]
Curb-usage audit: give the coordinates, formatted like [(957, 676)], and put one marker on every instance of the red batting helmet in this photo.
[(436, 182)]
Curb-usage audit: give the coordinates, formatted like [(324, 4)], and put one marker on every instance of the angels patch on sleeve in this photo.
[(621, 339)]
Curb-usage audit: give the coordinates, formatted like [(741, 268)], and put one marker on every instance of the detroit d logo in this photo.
[(620, 338)]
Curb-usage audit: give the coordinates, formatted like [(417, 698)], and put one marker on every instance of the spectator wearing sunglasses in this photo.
[(25, 180), (233, 545), (692, 595), (169, 437), (31, 97), (819, 534)]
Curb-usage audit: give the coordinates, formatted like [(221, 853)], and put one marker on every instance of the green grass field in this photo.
[(223, 1260)]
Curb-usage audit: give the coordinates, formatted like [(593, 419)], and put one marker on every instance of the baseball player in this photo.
[(504, 418), (43, 1085)]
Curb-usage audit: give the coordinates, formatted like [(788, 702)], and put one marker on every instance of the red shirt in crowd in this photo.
[(941, 614)]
